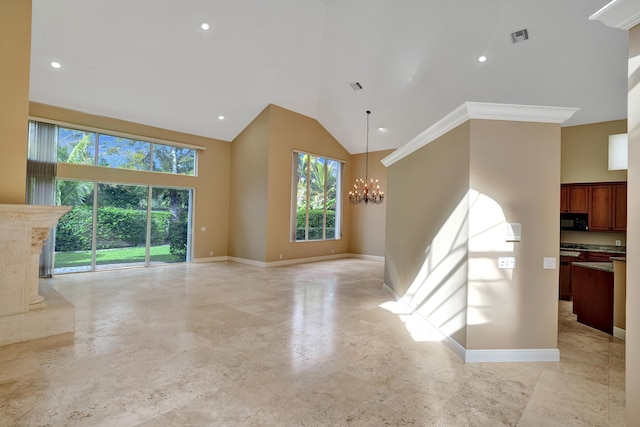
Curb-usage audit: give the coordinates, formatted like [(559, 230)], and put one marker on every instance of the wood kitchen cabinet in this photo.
[(565, 278), (619, 207), (608, 207), (599, 256), (565, 287), (593, 297), (574, 198)]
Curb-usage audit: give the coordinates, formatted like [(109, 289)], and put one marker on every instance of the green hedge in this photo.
[(315, 223), (178, 236), (74, 230), (117, 228)]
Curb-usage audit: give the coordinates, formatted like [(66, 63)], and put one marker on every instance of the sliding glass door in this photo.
[(74, 233), (170, 216), (121, 225)]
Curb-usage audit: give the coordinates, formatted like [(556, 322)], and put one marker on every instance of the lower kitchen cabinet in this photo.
[(593, 297), (565, 278)]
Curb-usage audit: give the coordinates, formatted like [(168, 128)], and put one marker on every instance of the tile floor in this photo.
[(234, 345)]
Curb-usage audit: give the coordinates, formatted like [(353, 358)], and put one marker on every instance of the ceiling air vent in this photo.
[(355, 86), (519, 36)]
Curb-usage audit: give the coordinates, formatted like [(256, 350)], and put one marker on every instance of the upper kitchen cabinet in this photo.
[(574, 198), (619, 206), (608, 206)]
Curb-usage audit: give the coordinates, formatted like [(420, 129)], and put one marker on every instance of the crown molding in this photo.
[(622, 14), (481, 111)]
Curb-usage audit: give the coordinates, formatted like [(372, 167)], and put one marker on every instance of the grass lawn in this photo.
[(113, 256)]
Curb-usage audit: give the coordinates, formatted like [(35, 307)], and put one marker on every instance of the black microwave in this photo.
[(574, 222)]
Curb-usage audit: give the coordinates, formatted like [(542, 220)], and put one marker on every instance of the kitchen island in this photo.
[(593, 294), (580, 252)]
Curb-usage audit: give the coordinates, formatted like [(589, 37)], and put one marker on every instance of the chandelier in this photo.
[(365, 190)]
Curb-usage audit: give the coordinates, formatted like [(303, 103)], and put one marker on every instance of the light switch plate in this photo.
[(549, 263)]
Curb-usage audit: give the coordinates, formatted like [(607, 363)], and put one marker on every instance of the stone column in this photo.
[(38, 236)]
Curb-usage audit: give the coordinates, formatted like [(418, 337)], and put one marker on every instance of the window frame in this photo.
[(338, 197), (151, 140)]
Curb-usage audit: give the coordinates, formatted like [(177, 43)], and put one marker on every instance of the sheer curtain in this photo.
[(42, 163)]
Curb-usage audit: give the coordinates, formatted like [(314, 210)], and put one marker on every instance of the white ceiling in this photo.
[(147, 61)]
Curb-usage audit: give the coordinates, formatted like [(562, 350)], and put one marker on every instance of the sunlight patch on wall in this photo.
[(488, 284), (438, 292)]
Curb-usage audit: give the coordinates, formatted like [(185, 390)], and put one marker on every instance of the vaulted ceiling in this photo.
[(148, 61)]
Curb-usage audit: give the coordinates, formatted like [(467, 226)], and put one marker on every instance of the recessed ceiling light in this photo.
[(55, 64), (482, 58), (220, 117), (382, 128), (205, 26)]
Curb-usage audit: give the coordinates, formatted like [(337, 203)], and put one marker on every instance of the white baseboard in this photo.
[(211, 259), (476, 356), (247, 261), (369, 257), (305, 260), (619, 333), (294, 261), (513, 355)]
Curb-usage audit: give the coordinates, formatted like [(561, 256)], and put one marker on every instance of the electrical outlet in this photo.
[(618, 243), (210, 253)]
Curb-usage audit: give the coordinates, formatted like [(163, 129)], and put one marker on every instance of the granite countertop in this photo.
[(604, 266), (583, 247), (573, 254), (619, 258)]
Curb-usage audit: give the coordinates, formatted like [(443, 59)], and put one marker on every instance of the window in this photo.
[(317, 197), (76, 146), (101, 149), (123, 153), (176, 160)]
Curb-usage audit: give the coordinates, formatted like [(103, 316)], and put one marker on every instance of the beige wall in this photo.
[(211, 185), (368, 221), (449, 205), (15, 49), (514, 178), (292, 131), (585, 154), (633, 234), (427, 230), (248, 200), (261, 186)]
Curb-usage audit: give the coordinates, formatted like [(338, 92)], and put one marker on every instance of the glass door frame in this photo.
[(150, 187)]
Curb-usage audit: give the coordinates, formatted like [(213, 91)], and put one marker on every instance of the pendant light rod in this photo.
[(366, 157)]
